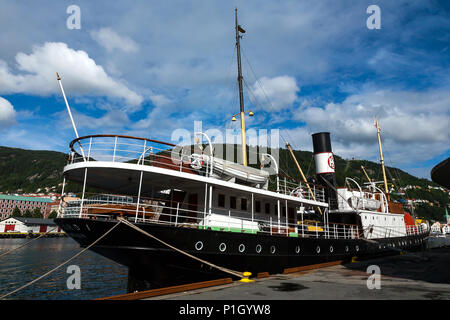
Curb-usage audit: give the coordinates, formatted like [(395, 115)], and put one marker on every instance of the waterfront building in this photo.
[(9, 202), (28, 225)]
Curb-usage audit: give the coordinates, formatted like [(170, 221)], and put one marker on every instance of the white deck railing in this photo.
[(159, 211), (147, 152)]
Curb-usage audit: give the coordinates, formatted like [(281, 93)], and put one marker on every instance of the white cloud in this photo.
[(109, 39), (414, 125), (7, 114), (276, 93), (80, 73)]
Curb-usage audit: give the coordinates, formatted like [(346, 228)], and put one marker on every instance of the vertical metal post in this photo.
[(143, 154), (229, 219), (270, 225), (89, 151), (176, 217), (303, 226), (345, 235), (279, 218), (210, 198), (84, 189), (204, 211), (139, 197), (317, 231), (252, 207), (115, 145), (241, 94), (62, 195), (287, 226)]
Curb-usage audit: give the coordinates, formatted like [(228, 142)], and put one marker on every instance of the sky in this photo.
[(148, 68)]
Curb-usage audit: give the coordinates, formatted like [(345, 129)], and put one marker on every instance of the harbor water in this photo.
[(99, 277)]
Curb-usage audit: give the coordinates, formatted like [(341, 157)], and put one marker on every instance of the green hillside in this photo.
[(26, 171)]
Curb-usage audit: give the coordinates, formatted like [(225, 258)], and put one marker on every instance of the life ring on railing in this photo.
[(299, 193), (196, 162)]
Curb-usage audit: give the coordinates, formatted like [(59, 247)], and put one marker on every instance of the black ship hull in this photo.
[(152, 264)]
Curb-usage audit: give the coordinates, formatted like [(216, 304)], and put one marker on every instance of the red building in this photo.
[(8, 203)]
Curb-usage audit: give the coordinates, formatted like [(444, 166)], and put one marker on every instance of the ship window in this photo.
[(221, 200), (267, 208), (232, 202), (257, 206), (244, 204), (283, 211)]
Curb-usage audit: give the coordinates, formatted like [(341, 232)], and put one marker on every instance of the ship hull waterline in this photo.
[(152, 264)]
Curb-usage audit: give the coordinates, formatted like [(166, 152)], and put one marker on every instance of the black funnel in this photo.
[(324, 159)]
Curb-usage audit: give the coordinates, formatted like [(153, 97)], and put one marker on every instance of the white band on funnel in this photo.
[(324, 162)]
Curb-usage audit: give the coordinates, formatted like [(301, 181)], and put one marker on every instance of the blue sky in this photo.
[(147, 68)]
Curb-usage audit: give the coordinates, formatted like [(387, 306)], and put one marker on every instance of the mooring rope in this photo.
[(23, 245), (59, 266), (233, 272)]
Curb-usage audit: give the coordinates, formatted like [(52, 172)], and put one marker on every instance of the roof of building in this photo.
[(35, 220), (21, 198)]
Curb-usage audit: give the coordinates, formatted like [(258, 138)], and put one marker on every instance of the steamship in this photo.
[(220, 212)]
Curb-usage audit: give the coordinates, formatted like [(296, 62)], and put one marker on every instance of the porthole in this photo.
[(357, 248), (297, 249), (331, 249), (199, 245), (258, 248), (241, 248), (222, 247), (318, 249), (272, 249), (346, 249)]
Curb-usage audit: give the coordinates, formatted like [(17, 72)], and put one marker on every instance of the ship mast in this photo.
[(382, 160), (241, 94)]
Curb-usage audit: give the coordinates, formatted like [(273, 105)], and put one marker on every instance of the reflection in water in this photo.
[(100, 277)]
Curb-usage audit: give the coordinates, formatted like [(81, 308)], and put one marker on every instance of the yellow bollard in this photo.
[(246, 274)]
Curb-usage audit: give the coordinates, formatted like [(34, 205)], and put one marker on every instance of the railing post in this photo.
[(115, 145), (345, 236), (84, 189), (89, 151), (176, 217), (270, 225), (317, 231), (143, 154), (303, 226), (139, 197), (229, 218)]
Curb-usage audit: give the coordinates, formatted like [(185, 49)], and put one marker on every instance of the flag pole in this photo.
[(70, 113)]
